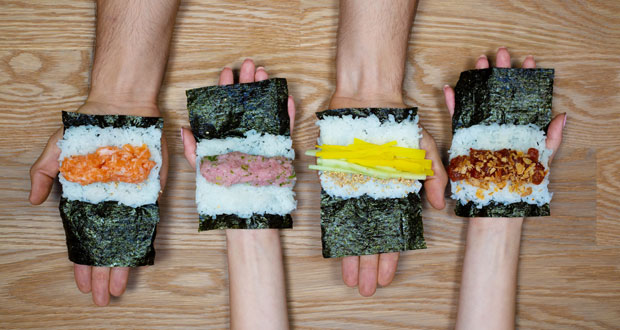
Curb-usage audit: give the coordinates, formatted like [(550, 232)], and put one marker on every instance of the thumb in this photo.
[(189, 146), (554, 134), (44, 170)]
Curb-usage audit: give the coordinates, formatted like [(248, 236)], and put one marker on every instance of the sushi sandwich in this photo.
[(369, 165), (109, 172), (499, 163), (244, 164)]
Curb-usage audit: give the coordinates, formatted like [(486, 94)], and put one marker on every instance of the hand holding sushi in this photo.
[(255, 264), (122, 83), (488, 286), (369, 73)]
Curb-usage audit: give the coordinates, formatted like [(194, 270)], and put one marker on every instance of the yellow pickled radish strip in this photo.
[(378, 160)]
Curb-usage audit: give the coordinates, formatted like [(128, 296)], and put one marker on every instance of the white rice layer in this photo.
[(496, 137), (373, 188), (242, 200), (254, 143), (83, 140), (342, 131)]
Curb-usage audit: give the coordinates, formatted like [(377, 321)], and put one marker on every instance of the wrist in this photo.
[(349, 98), (495, 231), (252, 237), (109, 105)]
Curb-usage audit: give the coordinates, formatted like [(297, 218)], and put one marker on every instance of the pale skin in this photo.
[(255, 265), (489, 283), (370, 66), (122, 82)]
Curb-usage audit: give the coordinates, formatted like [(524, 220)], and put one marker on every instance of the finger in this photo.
[(189, 146), (435, 186), (367, 282), (350, 270), (100, 284), (44, 170), (529, 62), (246, 74), (261, 74), (82, 277), (448, 94), (503, 58), (554, 133), (291, 112), (226, 77), (388, 263), (118, 280), (482, 62)]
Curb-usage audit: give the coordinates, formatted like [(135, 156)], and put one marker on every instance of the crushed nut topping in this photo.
[(482, 167), (349, 179)]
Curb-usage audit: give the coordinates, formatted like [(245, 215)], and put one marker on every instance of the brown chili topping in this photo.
[(482, 167)]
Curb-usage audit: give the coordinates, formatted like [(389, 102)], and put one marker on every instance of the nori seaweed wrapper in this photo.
[(364, 225), (109, 234), (503, 96), (217, 112), (383, 114), (73, 119), (256, 221), (498, 210)]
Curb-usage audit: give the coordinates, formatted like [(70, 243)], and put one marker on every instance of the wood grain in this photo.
[(570, 263)]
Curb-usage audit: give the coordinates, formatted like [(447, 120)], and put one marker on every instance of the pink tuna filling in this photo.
[(237, 167)]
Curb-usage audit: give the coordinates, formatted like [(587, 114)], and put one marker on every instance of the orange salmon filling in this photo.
[(109, 164)]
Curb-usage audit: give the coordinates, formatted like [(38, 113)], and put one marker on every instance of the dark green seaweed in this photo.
[(217, 112), (503, 96), (364, 225), (109, 234), (72, 119), (256, 221), (497, 210), (399, 114)]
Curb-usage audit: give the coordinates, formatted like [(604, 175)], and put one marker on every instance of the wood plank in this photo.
[(570, 262)]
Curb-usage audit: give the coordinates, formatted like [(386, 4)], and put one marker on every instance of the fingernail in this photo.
[(182, 138), (260, 68), (482, 56), (446, 87), (565, 116), (503, 47)]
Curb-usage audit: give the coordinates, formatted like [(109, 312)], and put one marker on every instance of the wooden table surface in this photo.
[(569, 272)]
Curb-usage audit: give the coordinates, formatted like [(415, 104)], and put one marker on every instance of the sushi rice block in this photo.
[(378, 209), (244, 170), (109, 172), (499, 163)]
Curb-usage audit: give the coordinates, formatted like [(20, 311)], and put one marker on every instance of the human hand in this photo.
[(101, 281), (367, 271), (554, 132)]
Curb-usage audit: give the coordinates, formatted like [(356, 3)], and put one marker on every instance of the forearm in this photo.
[(131, 51), (489, 282), (256, 275), (372, 45)]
